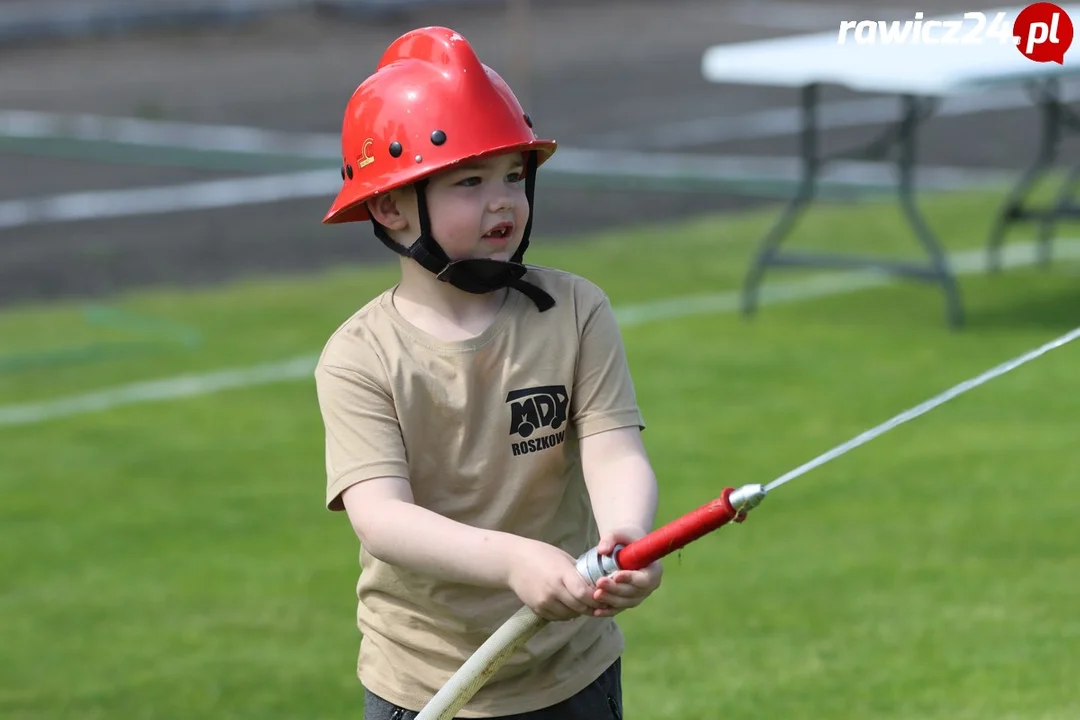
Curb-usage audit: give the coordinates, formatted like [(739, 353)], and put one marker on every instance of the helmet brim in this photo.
[(348, 207)]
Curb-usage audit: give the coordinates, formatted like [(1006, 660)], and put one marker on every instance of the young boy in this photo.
[(482, 430)]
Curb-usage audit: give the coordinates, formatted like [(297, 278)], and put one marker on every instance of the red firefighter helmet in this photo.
[(430, 104)]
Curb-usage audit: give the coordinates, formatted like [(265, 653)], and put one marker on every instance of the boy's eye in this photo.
[(514, 177), (470, 181)]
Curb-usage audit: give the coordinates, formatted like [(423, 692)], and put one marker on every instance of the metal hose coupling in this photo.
[(593, 566), (746, 498)]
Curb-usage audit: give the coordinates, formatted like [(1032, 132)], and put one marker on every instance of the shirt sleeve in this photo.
[(604, 396), (363, 437)]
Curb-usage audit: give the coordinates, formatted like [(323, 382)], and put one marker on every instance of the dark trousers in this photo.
[(601, 700)]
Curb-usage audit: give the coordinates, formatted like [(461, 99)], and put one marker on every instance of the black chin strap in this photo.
[(473, 275)]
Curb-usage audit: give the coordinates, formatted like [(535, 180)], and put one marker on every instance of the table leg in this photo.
[(1012, 209), (1063, 205), (905, 163), (810, 166)]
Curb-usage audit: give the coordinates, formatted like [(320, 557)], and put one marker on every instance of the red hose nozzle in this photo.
[(732, 505)]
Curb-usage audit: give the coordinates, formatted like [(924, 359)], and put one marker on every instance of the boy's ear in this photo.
[(387, 212)]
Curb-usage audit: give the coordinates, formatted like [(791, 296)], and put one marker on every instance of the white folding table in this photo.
[(921, 76)]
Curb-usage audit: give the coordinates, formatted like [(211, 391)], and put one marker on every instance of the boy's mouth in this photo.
[(502, 231)]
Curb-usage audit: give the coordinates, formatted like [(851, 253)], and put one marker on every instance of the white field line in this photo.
[(301, 368), (772, 122), (233, 192), (968, 262), (206, 195), (265, 189), (35, 125)]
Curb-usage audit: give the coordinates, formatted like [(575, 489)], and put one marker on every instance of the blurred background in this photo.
[(192, 141), (166, 285)]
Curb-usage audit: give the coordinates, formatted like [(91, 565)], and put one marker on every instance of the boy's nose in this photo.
[(502, 201)]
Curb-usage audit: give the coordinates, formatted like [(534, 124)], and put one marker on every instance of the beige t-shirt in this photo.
[(486, 431)]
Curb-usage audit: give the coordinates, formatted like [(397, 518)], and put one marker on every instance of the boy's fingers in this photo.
[(553, 612), (623, 578), (617, 602), (625, 588), (582, 596), (617, 590), (577, 602), (561, 609), (582, 590)]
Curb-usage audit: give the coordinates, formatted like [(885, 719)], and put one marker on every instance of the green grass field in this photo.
[(174, 560)]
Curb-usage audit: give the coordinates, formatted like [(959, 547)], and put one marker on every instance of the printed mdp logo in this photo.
[(534, 408)]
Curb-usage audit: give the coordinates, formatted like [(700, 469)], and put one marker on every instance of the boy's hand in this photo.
[(547, 580), (624, 588)]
